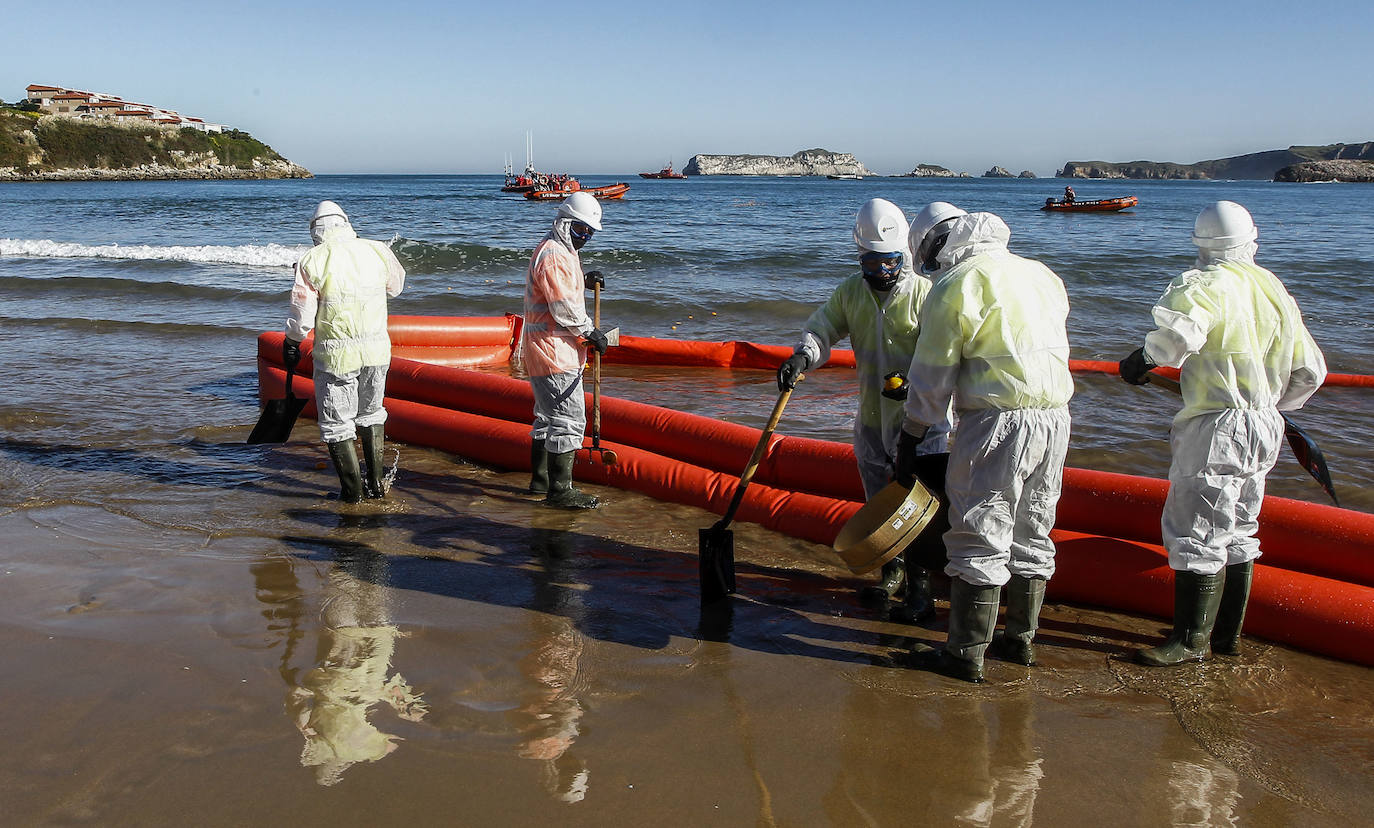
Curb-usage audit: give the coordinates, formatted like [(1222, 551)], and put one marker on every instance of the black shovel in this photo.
[(1305, 449), (716, 554), (278, 416)]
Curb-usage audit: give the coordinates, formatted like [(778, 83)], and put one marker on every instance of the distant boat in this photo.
[(846, 177), (1101, 205), (608, 191), (666, 172)]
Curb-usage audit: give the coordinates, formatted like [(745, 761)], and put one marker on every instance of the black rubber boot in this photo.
[(373, 438), (1235, 594), (539, 468), (972, 618), (562, 494), (894, 576), (1024, 599), (919, 604), (344, 453), (1196, 598)]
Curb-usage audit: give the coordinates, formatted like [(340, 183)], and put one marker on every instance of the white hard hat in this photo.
[(931, 215), (880, 227), (327, 208), (582, 207), (1222, 225)]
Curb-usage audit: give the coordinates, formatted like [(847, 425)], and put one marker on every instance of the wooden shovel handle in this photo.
[(757, 457)]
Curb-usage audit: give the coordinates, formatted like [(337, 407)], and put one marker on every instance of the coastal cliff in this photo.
[(1311, 171), (54, 148), (1261, 166), (806, 162)]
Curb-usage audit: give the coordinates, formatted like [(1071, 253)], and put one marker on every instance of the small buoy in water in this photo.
[(675, 327), (689, 316), (713, 313), (321, 464)]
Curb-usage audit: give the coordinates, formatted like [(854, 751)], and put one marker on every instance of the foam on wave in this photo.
[(257, 255)]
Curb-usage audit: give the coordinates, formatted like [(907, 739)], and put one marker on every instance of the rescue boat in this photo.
[(1101, 205), (608, 191), (1313, 588), (666, 172)]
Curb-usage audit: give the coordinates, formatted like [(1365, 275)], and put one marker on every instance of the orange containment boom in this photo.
[(1313, 588)]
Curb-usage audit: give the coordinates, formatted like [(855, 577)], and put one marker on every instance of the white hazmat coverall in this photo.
[(1245, 356), (882, 329), (341, 291), (993, 337), (554, 352)]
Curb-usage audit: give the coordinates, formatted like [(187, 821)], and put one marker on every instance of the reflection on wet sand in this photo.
[(549, 714), (330, 702)]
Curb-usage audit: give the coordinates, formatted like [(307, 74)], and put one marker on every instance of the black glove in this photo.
[(598, 341), (790, 370), (895, 386), (594, 279), (905, 471), (291, 353), (1136, 367), (931, 470)]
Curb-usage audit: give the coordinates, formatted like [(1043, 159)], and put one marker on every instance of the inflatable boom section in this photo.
[(1313, 587)]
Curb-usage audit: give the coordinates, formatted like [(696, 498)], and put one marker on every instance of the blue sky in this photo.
[(618, 87)]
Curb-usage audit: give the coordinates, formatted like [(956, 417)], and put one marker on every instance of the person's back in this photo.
[(353, 279), (1256, 338), (1004, 340)]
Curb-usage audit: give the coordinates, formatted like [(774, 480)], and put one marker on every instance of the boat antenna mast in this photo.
[(529, 152)]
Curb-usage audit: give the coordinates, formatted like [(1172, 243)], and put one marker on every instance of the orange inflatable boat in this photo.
[(1313, 588)]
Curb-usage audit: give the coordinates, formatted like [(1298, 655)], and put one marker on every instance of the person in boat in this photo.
[(1245, 355), (1069, 195), (993, 339), (877, 308), (341, 290), (554, 344)]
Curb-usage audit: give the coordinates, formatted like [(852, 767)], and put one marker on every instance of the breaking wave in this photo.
[(256, 255)]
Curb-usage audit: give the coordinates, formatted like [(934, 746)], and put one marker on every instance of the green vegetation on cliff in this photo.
[(31, 144)]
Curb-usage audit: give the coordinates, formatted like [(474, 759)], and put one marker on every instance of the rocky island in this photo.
[(1262, 166), (36, 147), (806, 162), (933, 171)]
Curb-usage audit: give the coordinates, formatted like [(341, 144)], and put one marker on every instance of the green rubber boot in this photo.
[(344, 453), (1025, 596), (539, 468), (1196, 598), (562, 494), (894, 576), (972, 618), (919, 604), (1231, 614), (373, 438)]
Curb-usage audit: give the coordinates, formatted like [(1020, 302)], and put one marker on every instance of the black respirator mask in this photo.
[(881, 270), (581, 234)]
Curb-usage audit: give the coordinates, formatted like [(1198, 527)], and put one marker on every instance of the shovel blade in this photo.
[(716, 561), (277, 419)]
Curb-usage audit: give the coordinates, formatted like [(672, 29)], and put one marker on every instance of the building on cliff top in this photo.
[(75, 103)]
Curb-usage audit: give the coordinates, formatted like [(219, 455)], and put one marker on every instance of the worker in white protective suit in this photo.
[(341, 291), (878, 309), (1245, 356), (554, 344), (993, 338)]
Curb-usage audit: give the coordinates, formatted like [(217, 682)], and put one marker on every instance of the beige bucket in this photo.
[(885, 526)]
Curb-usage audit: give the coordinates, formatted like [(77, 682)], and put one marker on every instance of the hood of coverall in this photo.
[(973, 235), (330, 221)]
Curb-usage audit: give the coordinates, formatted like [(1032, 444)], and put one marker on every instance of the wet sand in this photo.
[(216, 641)]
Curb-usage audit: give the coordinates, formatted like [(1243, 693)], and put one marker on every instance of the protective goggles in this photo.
[(880, 264), (581, 231)]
